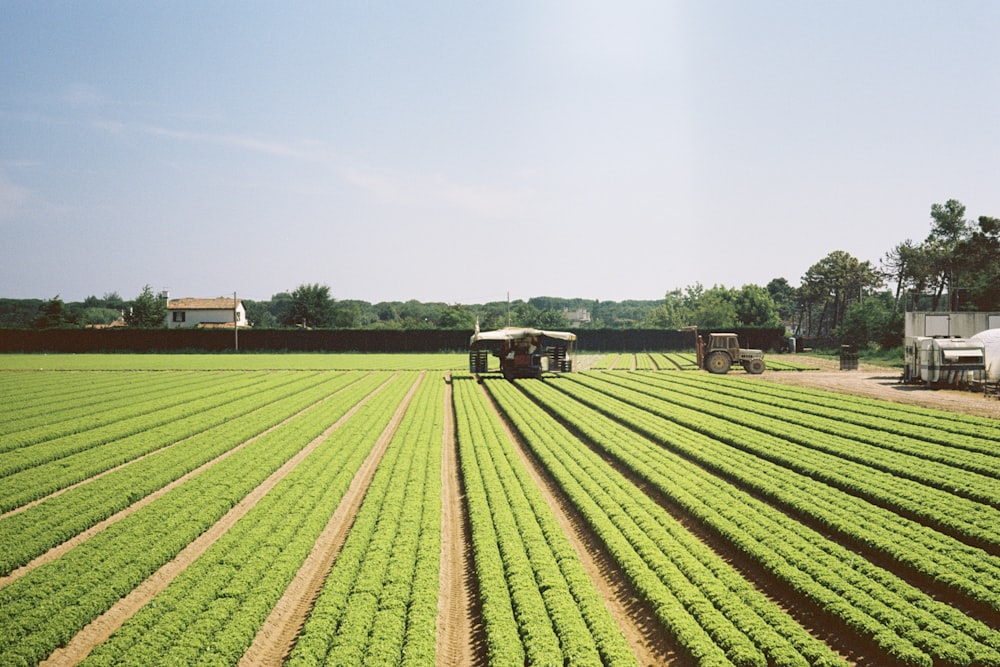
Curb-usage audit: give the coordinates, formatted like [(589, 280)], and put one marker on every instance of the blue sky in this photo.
[(458, 152)]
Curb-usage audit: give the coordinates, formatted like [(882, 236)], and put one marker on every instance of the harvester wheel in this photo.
[(755, 366), (718, 362)]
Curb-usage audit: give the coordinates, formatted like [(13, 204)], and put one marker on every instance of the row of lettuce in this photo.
[(682, 361), (313, 440), (538, 604), (459, 361), (944, 535), (379, 603), (242, 361), (121, 471), (793, 526), (869, 554), (879, 523), (710, 611)]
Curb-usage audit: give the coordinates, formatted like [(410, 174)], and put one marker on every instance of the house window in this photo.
[(179, 316)]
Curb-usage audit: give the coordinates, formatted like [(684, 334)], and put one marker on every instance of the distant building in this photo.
[(577, 317), (223, 312), (943, 324)]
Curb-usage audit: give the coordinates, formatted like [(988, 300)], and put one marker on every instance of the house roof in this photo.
[(222, 303)]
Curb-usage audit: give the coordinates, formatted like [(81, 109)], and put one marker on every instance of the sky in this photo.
[(467, 152)]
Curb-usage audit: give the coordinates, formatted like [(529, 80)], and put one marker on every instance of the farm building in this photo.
[(577, 317), (220, 312), (949, 324)]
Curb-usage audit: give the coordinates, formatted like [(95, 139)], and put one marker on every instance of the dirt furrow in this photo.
[(857, 650), (82, 537), (101, 628), (460, 634), (276, 637), (649, 642)]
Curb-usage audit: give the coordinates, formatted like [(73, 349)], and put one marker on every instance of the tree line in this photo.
[(312, 306), (840, 299)]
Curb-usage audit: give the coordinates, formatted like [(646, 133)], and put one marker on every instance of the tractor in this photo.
[(723, 350)]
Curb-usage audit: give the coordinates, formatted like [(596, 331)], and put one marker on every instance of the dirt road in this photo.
[(883, 383)]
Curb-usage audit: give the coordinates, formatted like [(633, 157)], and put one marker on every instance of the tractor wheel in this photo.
[(755, 366), (718, 362)]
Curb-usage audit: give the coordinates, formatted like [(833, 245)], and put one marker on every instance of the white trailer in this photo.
[(943, 361)]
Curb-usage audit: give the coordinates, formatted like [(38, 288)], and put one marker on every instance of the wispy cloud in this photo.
[(27, 205), (21, 164), (290, 150), (436, 190), (248, 143), (13, 198), (83, 96), (404, 189)]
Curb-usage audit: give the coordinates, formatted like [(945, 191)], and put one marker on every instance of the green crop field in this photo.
[(394, 509), (229, 362)]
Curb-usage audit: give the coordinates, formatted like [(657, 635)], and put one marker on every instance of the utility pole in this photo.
[(236, 325)]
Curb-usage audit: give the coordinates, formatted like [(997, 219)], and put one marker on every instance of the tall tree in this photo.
[(280, 308), (785, 298), (456, 316), (551, 319), (310, 306), (346, 314), (755, 307), (949, 232), (671, 314), (906, 265), (980, 254), (148, 311), (872, 320), (715, 308), (491, 317), (53, 315), (113, 300), (831, 284)]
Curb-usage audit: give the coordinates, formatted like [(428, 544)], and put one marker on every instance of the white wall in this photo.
[(194, 317)]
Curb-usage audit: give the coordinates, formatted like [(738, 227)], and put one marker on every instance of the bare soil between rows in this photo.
[(634, 616), (461, 637), (460, 633), (279, 632)]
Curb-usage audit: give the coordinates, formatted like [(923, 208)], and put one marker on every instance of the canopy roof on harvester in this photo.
[(514, 333)]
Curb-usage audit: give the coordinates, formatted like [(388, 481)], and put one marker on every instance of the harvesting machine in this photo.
[(523, 351)]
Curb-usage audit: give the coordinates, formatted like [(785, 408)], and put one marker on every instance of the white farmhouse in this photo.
[(221, 312)]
